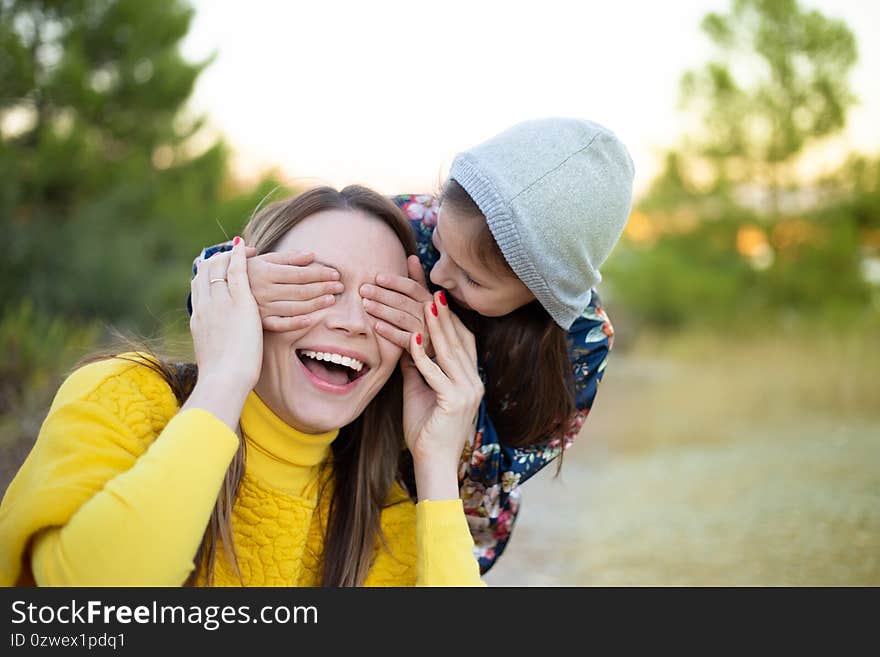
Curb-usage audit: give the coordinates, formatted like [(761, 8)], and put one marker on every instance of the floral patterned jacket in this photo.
[(491, 473)]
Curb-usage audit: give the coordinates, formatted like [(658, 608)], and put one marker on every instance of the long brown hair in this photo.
[(368, 455), (526, 410), (367, 452)]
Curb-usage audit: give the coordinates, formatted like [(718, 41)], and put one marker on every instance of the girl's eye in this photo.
[(471, 281)]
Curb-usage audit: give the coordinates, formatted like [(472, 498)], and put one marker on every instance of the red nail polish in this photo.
[(442, 296), (418, 338), (236, 241), (434, 309)]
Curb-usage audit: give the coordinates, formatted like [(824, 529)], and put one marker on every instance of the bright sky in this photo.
[(384, 93)]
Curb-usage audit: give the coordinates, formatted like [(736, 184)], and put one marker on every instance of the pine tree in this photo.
[(100, 187)]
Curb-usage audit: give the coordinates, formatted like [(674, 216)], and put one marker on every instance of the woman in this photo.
[(279, 464)]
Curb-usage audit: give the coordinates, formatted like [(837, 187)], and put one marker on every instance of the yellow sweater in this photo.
[(119, 487)]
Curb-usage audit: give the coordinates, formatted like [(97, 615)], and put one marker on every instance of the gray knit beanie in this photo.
[(556, 194)]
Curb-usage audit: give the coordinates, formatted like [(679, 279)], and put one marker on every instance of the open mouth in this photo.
[(332, 368)]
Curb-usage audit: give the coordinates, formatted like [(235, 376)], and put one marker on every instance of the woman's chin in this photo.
[(320, 413), (318, 420)]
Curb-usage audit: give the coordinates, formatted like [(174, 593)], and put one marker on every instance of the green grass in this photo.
[(714, 461)]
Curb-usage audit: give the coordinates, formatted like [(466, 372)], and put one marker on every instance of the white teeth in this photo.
[(339, 359)]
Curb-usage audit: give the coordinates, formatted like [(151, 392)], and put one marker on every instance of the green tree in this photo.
[(102, 189), (780, 81)]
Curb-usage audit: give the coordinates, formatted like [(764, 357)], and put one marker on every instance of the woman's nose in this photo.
[(348, 314)]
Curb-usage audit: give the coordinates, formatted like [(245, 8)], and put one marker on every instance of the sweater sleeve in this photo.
[(145, 526), (445, 547)]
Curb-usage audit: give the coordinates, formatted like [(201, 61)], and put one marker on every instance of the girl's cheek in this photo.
[(487, 307)]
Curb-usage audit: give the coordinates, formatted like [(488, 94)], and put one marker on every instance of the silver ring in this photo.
[(218, 280)]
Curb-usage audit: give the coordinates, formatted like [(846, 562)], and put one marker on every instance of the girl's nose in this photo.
[(440, 274)]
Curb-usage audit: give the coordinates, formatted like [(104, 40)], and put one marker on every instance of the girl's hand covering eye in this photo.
[(397, 302), (290, 286), (440, 406)]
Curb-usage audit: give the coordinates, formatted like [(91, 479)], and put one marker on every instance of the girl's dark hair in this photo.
[(530, 383), (368, 454)]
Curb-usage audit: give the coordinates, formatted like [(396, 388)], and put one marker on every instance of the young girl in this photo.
[(522, 226), (139, 464)]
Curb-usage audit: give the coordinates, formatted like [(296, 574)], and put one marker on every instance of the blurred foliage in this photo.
[(727, 233), (778, 82), (34, 347), (706, 260), (108, 186)]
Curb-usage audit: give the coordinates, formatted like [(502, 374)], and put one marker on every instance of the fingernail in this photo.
[(329, 299), (434, 309), (366, 290), (381, 279), (418, 338), (442, 297), (236, 241), (365, 302)]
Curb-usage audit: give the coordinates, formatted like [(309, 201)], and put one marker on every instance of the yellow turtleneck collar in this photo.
[(279, 455)]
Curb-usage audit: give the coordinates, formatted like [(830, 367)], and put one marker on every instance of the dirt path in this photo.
[(753, 499)]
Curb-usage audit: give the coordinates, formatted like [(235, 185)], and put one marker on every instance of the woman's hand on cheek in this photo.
[(289, 286), (397, 302), (225, 324), (440, 402)]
